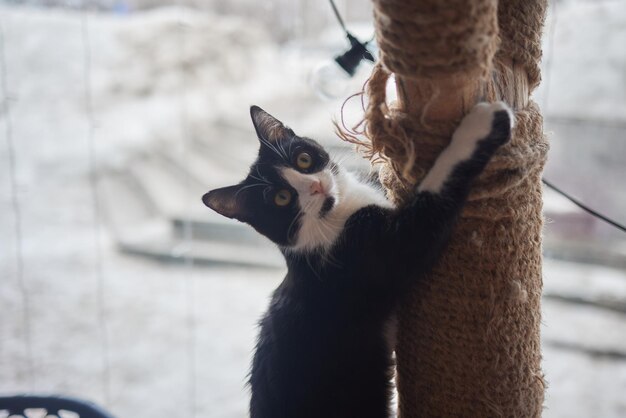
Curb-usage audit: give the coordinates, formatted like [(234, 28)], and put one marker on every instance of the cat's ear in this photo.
[(267, 127), (225, 202)]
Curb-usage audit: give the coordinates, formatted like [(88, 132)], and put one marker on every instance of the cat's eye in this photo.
[(282, 197), (304, 160)]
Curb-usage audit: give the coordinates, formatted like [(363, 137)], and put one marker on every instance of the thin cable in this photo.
[(343, 25), (190, 301), (584, 207), (97, 218), (338, 16), (545, 105), (17, 214)]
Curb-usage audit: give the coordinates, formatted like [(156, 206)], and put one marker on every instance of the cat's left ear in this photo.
[(225, 202), (267, 127)]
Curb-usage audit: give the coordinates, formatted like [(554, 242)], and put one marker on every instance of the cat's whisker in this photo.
[(313, 269), (330, 259), (276, 148), (270, 146), (322, 232), (262, 176), (290, 144), (247, 187), (259, 179), (340, 158), (282, 148), (293, 222), (308, 206)]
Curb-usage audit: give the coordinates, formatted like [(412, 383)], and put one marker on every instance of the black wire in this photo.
[(342, 23), (583, 206), (338, 15), (546, 182)]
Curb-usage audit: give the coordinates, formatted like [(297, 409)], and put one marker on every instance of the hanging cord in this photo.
[(584, 207), (545, 105), (343, 24), (95, 197), (350, 60), (190, 301), (19, 257), (338, 16)]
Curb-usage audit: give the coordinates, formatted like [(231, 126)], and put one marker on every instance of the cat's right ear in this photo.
[(267, 127), (225, 202)]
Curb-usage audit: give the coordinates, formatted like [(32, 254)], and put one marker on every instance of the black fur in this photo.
[(322, 350)]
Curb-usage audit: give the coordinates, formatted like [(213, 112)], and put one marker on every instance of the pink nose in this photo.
[(316, 187)]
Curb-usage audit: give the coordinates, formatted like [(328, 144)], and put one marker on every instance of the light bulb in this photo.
[(329, 80), (332, 79)]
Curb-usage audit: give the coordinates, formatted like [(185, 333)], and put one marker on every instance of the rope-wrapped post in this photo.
[(468, 340)]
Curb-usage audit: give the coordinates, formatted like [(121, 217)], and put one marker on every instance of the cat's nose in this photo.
[(316, 187)]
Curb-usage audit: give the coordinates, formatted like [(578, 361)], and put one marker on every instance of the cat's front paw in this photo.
[(491, 122), (480, 133), (502, 122)]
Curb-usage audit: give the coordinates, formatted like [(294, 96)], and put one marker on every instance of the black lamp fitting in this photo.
[(350, 60)]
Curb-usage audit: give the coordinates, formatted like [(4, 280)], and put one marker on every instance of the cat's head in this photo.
[(293, 185)]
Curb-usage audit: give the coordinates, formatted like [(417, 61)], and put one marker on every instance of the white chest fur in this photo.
[(320, 232)]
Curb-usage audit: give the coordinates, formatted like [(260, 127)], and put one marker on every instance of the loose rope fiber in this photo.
[(468, 342)]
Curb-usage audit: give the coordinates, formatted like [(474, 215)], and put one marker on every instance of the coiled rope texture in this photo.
[(469, 334)]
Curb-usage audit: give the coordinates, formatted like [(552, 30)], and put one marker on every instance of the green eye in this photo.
[(282, 197), (304, 160)]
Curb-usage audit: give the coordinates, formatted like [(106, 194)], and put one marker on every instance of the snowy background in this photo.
[(138, 298)]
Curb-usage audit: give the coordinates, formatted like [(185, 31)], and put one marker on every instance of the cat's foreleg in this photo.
[(479, 135), (428, 222)]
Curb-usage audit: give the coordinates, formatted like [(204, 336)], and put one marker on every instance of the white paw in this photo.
[(477, 124), (501, 106)]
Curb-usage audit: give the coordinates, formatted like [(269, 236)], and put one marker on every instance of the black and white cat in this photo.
[(323, 348)]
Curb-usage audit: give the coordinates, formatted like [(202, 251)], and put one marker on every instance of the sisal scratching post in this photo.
[(468, 342)]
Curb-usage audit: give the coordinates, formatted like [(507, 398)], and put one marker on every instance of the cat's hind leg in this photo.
[(481, 132)]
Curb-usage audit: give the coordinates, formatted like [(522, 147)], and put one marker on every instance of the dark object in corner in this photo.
[(18, 404)]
